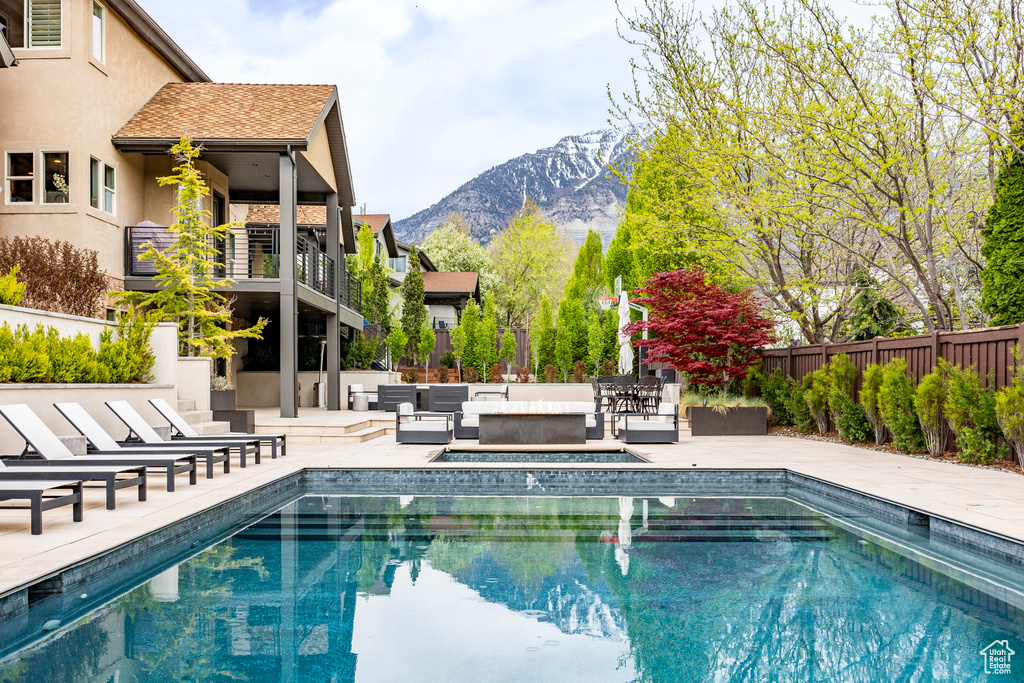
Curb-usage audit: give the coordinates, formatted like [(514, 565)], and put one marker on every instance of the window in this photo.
[(397, 264), (98, 31), (12, 22), (55, 178), (108, 190), (20, 177), (101, 186), (44, 23)]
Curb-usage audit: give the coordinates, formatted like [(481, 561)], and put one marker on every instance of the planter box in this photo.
[(222, 400), (745, 421)]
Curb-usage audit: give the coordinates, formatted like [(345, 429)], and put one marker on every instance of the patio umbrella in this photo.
[(625, 348)]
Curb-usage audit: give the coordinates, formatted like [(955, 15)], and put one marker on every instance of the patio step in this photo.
[(186, 405), (194, 417), (357, 436), (211, 427)]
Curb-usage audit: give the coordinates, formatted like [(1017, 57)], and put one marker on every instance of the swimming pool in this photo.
[(615, 588)]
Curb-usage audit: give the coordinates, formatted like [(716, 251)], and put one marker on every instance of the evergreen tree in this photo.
[(414, 311), (377, 294), (571, 339), (543, 339), (507, 351), (1002, 279), (187, 292), (487, 338), (425, 345), (587, 275), (468, 329)]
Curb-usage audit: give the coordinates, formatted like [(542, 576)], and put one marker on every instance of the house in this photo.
[(99, 96), (446, 296)]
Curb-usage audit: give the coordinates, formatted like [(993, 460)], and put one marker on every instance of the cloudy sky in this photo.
[(433, 92)]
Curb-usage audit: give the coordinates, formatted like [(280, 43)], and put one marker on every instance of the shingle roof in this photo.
[(450, 282), (376, 221), (271, 214), (229, 111)]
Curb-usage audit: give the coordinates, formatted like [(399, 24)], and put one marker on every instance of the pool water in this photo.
[(539, 589)]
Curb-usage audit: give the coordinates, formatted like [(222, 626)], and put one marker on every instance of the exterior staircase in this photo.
[(201, 420), (357, 432)]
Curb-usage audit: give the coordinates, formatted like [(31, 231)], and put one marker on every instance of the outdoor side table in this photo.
[(361, 403)]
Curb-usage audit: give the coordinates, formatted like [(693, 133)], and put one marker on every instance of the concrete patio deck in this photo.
[(987, 499)]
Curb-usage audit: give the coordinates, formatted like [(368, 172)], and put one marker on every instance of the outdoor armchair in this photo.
[(429, 428), (660, 427)]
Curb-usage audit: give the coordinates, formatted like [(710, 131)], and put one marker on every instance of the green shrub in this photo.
[(72, 359), (775, 390), (896, 405), (752, 383), (447, 360), (127, 354), (23, 355), (928, 401), (362, 351), (801, 415), (870, 392), (970, 411), (842, 382), (816, 389), (11, 291), (852, 423), (1010, 408)]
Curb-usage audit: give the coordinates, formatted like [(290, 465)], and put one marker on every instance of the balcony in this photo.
[(253, 254)]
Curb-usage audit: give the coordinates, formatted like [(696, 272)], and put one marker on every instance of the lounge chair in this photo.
[(447, 399), (56, 458), (413, 427), (660, 427), (139, 429), (44, 495), (115, 476), (357, 390), (101, 442), (183, 430)]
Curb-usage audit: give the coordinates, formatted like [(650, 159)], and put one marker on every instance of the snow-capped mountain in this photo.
[(571, 181)]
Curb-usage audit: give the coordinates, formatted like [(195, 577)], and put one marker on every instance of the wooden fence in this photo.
[(989, 350), (444, 345)]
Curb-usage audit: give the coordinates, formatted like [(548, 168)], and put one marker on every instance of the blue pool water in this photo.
[(541, 589)]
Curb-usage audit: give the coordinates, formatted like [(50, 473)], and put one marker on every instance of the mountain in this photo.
[(571, 181)]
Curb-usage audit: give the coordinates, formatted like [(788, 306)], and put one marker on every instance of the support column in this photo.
[(333, 327), (289, 293)]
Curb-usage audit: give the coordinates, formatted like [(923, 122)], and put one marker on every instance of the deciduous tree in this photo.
[(708, 334), (452, 249)]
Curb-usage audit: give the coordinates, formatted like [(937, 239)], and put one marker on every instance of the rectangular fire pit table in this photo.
[(521, 429)]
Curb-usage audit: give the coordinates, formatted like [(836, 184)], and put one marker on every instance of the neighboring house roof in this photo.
[(380, 222), (450, 283), (230, 111), (156, 38), (376, 221), (6, 54), (271, 214)]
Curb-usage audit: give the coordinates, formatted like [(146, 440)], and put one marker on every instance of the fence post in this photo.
[(935, 349), (824, 354), (789, 360), (874, 349), (1020, 336)]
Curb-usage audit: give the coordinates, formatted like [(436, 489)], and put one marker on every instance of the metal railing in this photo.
[(252, 254)]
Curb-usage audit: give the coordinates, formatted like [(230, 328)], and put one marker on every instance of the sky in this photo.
[(433, 92)]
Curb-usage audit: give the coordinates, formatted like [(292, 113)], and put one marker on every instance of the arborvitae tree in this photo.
[(377, 294), (543, 339), (487, 338), (587, 273), (414, 311), (469, 324), (1002, 279), (571, 340)]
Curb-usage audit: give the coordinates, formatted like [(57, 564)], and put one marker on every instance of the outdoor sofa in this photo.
[(659, 427), (467, 419)]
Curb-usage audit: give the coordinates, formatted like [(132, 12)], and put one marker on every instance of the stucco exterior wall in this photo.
[(64, 100)]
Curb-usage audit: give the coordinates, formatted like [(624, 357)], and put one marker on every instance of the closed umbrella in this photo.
[(625, 347)]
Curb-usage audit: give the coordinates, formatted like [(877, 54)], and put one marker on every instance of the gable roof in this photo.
[(230, 111), (156, 38), (376, 221), (450, 283)]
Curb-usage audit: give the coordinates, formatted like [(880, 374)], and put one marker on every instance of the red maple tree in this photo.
[(708, 334)]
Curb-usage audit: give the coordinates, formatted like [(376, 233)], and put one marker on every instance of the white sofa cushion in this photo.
[(640, 424), (423, 426)]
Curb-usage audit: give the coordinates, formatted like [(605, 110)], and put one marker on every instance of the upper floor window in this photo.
[(20, 177), (397, 264), (98, 31), (55, 179), (102, 188), (43, 23)]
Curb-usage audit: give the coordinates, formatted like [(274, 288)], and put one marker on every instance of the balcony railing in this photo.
[(252, 254)]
